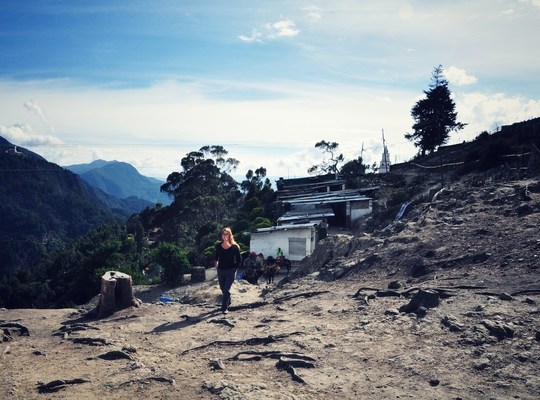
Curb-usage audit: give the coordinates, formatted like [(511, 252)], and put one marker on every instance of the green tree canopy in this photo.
[(203, 193), (173, 261), (352, 171), (258, 193), (434, 116)]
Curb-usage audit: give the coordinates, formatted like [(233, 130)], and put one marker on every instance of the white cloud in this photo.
[(255, 37), (483, 111), (33, 107), (283, 28), (535, 3), (406, 12), (276, 30), (152, 128), (24, 135), (458, 76), (314, 13)]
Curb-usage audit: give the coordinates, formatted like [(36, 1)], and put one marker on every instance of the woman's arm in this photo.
[(216, 255), (238, 257)]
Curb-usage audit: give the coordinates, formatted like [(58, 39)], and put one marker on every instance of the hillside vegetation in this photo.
[(43, 207)]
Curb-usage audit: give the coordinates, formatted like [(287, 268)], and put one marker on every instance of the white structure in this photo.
[(296, 241), (339, 208), (384, 166)]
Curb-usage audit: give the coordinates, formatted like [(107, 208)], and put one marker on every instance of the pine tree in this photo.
[(434, 116)]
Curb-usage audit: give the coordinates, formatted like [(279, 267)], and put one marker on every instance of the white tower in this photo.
[(384, 166)]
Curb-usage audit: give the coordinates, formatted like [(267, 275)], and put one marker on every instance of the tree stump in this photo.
[(198, 274), (116, 293)]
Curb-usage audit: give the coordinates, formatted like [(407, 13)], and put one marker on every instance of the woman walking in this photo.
[(227, 259)]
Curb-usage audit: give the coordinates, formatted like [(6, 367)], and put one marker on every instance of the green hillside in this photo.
[(43, 206)]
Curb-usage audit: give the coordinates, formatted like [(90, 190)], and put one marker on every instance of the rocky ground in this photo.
[(442, 304)]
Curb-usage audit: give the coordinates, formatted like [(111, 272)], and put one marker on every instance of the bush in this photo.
[(174, 262)]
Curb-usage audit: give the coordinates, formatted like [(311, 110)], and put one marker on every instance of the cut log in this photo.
[(116, 293)]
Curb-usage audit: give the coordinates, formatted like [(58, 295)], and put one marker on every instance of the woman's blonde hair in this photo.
[(231, 236)]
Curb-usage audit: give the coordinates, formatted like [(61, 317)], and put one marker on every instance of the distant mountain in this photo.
[(43, 206), (121, 180)]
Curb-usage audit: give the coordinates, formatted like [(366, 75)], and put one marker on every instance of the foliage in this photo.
[(434, 116), (208, 198), (260, 222), (352, 172), (204, 193), (257, 200), (173, 261), (42, 208), (71, 276), (331, 164)]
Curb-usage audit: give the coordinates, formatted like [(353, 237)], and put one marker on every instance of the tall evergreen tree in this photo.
[(434, 116)]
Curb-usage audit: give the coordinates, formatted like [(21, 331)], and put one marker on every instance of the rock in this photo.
[(394, 285), (421, 311), (423, 299), (420, 269), (498, 329), (434, 382), (217, 364), (505, 296), (481, 364), (477, 336), (452, 324)]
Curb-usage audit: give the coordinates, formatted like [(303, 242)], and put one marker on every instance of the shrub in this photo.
[(174, 262)]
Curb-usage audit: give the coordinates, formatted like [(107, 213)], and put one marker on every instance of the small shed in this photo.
[(295, 240), (342, 208)]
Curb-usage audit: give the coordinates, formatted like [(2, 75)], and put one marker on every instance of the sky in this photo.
[(147, 82)]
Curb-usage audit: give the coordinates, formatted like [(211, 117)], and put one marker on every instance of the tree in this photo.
[(434, 116), (203, 192), (352, 171), (258, 193), (330, 165)]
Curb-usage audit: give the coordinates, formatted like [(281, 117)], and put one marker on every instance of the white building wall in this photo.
[(267, 242), (360, 209)]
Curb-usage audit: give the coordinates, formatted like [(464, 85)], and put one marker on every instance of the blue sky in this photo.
[(148, 81)]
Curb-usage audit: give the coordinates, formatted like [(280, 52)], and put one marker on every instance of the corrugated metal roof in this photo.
[(329, 197), (286, 227), (316, 214)]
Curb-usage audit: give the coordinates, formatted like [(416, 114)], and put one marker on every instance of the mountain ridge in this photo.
[(43, 206), (121, 179)]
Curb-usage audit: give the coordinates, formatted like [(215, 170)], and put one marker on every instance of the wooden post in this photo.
[(116, 293)]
